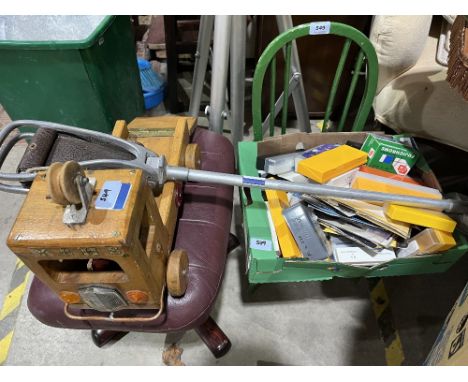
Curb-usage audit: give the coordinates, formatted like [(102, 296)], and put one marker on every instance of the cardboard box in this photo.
[(451, 346), (265, 266)]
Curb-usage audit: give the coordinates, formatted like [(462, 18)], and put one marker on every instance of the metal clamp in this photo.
[(76, 214)]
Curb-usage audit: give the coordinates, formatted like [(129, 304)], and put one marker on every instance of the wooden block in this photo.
[(159, 145), (167, 206), (157, 243), (40, 220), (173, 147), (120, 129), (165, 122), (179, 143)]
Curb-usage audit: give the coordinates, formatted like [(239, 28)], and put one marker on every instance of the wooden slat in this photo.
[(352, 88), (176, 157), (336, 82), (162, 122), (287, 76), (160, 146), (120, 129), (272, 95)]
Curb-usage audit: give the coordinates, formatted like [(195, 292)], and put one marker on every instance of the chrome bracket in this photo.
[(77, 213)]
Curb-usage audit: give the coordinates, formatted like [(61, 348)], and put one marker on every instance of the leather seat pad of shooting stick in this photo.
[(202, 230)]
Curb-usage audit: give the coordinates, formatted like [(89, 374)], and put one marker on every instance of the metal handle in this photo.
[(185, 174), (157, 172), (4, 151), (139, 153)]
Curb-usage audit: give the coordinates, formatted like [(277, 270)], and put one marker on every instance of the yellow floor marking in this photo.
[(5, 343), (19, 264), (13, 299), (379, 298), (394, 353)]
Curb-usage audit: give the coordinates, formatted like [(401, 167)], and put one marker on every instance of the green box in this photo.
[(264, 266), (88, 83), (388, 155)]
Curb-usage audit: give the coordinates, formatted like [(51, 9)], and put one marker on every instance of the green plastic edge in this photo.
[(65, 44), (266, 267), (255, 215), (338, 29)]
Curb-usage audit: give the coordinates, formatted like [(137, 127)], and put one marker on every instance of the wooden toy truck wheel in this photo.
[(192, 156), (177, 272), (70, 170), (61, 182), (53, 185)]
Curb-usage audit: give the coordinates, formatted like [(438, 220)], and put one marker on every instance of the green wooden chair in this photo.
[(284, 42)]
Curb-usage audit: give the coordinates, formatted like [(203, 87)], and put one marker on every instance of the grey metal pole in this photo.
[(188, 175), (221, 42), (157, 172), (299, 97), (205, 33), (238, 37)]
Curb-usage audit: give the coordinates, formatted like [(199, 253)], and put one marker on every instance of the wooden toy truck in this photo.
[(120, 257)]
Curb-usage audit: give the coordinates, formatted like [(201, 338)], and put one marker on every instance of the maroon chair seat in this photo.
[(202, 230)]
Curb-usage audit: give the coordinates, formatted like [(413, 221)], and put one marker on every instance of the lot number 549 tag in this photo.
[(322, 27)]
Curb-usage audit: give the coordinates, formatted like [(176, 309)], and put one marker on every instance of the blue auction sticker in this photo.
[(113, 195), (247, 180)]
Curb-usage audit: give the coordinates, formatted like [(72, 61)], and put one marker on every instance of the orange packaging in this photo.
[(390, 175)]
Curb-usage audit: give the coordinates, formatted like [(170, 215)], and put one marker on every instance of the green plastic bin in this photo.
[(265, 266), (89, 82)]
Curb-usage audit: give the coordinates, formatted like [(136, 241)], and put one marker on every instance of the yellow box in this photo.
[(277, 201), (421, 217), (332, 163), (428, 241), (370, 182), (433, 240)]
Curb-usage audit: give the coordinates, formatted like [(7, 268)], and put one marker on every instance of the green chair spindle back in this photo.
[(284, 42)]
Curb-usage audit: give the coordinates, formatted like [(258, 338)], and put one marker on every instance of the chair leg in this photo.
[(170, 30), (233, 242), (106, 337), (213, 337)]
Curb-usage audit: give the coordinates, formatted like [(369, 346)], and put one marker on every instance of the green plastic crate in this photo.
[(266, 267), (89, 83)]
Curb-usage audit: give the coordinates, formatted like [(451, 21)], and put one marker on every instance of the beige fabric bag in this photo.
[(413, 95)]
